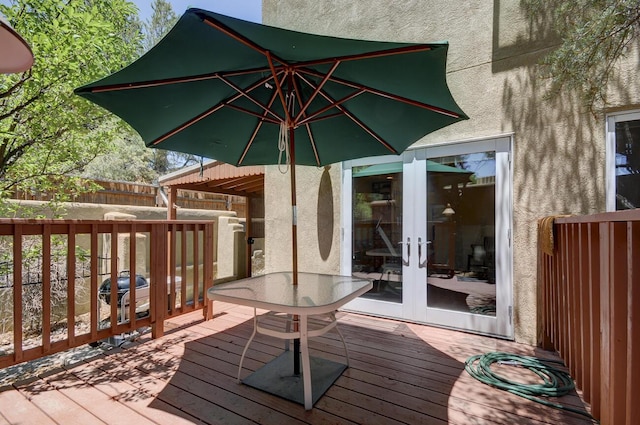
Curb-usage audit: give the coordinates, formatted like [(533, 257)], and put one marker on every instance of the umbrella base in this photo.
[(277, 378)]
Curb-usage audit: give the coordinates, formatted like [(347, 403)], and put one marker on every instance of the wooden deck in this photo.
[(400, 373)]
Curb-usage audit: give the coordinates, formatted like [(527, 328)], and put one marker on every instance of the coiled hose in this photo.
[(556, 382)]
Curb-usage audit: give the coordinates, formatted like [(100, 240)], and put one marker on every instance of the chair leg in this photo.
[(344, 344), (246, 347)]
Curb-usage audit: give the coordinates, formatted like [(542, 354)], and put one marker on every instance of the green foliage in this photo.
[(157, 26), (127, 159), (47, 134), (594, 35)]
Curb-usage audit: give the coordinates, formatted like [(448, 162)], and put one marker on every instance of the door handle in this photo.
[(406, 263), (422, 264)]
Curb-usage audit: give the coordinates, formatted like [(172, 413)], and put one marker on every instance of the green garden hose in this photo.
[(556, 382)]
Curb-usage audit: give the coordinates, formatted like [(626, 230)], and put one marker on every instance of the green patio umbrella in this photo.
[(251, 94)]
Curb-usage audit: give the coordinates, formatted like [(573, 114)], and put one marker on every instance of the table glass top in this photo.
[(313, 290)]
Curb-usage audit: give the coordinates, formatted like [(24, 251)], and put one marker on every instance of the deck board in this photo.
[(400, 373)]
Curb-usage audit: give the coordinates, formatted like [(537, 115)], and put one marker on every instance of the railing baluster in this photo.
[(133, 281), (95, 319), (183, 269), (594, 325), (17, 293), (605, 315), (113, 292), (71, 285), (196, 267), (46, 288), (584, 380), (172, 267)]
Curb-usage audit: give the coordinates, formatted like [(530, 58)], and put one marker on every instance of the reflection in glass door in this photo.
[(461, 263), (377, 229)]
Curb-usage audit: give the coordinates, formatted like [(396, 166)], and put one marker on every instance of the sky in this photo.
[(249, 10)]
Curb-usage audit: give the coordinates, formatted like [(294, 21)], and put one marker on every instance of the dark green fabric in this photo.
[(194, 48)]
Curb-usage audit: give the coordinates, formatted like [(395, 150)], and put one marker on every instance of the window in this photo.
[(623, 161)]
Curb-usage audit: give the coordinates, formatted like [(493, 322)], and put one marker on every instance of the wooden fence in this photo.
[(139, 194), (589, 280), (178, 255)]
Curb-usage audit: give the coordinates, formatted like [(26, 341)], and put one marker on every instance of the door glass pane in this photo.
[(627, 164), (461, 267), (377, 229)]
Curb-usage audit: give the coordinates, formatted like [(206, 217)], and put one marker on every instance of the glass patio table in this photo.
[(310, 307)]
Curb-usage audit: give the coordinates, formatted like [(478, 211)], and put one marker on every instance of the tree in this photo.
[(595, 34), (128, 160), (157, 26), (48, 134)]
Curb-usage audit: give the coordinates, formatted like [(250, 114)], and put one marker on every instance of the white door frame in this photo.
[(413, 307)]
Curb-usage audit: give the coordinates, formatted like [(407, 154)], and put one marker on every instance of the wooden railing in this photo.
[(43, 314), (589, 280)]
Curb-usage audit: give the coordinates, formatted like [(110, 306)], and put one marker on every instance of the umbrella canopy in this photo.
[(15, 53), (246, 93), (222, 88)]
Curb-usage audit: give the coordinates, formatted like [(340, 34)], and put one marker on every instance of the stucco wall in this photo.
[(558, 157), (230, 253), (318, 200), (83, 211)]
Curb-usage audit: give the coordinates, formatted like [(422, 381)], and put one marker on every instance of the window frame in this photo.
[(610, 164)]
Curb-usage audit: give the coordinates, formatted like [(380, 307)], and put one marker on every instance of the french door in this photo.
[(432, 230)]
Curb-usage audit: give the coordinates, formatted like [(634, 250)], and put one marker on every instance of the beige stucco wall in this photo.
[(83, 211), (558, 156), (230, 242), (318, 200)]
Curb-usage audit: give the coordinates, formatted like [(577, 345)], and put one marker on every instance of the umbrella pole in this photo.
[(294, 206), (294, 245)]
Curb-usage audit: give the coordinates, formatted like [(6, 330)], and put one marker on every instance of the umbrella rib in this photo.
[(279, 86), (237, 36), (255, 131), (312, 117), (205, 114), (246, 94), (386, 94), (326, 78), (169, 81), (307, 126), (255, 114), (354, 119), (375, 54)]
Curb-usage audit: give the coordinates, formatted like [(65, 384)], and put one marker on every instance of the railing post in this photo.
[(633, 326), (618, 280), (605, 314), (159, 254), (595, 396)]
